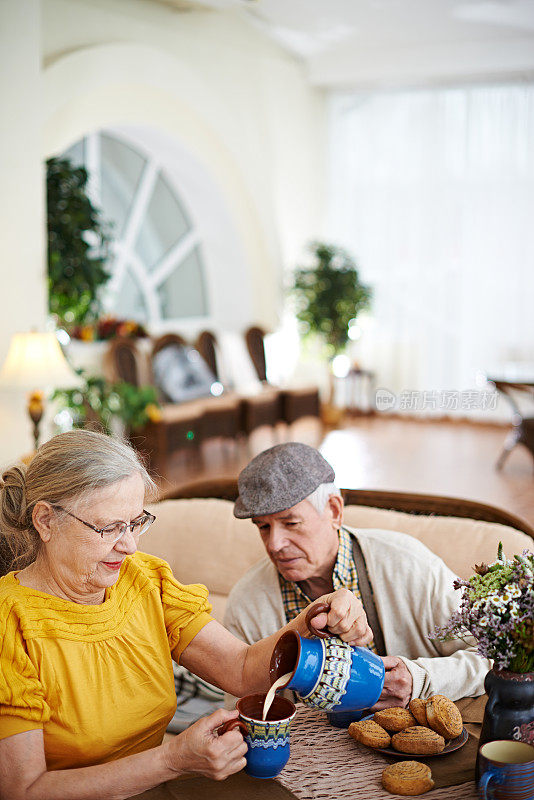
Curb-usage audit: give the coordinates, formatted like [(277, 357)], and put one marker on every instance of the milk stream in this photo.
[(270, 694)]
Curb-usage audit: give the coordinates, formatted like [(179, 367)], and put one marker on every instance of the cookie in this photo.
[(443, 716), (370, 733), (408, 778), (395, 719), (418, 709), (418, 740)]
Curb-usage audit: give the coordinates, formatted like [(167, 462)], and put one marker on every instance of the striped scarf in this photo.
[(344, 576)]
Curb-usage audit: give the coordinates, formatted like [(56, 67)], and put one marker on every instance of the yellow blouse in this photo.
[(97, 679)]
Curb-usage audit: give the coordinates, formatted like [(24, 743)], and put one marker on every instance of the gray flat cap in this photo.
[(279, 478)]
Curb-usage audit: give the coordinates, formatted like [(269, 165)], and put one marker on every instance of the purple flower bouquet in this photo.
[(497, 609)]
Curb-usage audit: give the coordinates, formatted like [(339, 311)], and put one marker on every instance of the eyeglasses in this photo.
[(112, 533)]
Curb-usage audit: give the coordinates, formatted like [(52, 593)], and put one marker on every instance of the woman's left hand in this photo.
[(346, 617)]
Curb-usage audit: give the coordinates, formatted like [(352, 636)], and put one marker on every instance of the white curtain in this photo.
[(433, 192)]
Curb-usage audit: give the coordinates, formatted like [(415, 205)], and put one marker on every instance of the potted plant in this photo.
[(109, 407), (329, 295), (78, 245), (78, 248), (497, 611)]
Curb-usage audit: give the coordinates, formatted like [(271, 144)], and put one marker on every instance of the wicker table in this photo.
[(326, 764)]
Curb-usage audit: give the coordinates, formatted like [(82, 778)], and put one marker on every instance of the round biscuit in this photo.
[(418, 741), (408, 778), (443, 716), (395, 719), (369, 733), (418, 709)]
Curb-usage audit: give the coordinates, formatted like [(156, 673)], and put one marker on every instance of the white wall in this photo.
[(237, 102), (22, 260)]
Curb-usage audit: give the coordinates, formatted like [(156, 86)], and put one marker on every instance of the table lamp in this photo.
[(34, 362)]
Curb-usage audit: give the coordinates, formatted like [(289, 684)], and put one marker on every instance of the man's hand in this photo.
[(346, 618), (398, 684)]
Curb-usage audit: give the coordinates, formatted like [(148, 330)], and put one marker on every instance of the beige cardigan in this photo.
[(413, 592)]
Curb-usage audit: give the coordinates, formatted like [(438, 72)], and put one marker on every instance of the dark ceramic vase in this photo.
[(509, 711)]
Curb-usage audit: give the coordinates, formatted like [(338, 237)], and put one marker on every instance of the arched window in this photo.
[(157, 266)]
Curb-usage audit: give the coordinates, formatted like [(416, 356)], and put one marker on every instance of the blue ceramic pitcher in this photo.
[(328, 673)]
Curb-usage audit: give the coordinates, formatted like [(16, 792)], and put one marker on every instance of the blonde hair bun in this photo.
[(13, 504)]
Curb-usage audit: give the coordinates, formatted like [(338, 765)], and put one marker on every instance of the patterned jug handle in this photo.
[(231, 725), (318, 608)]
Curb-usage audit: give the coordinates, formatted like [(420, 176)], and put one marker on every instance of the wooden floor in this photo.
[(456, 459)]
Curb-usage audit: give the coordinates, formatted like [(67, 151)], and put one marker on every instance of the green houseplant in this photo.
[(97, 403), (328, 295), (78, 245)]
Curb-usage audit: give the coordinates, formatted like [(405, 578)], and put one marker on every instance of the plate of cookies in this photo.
[(426, 728)]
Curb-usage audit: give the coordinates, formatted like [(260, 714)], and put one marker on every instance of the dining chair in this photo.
[(522, 431)]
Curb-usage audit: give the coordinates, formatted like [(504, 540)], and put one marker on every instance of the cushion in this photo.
[(458, 541), (181, 374)]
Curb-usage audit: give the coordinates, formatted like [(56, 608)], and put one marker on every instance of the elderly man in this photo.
[(289, 493)]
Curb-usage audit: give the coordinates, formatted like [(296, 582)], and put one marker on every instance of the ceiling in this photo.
[(394, 42)]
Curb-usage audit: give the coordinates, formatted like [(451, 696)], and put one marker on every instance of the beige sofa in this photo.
[(204, 543)]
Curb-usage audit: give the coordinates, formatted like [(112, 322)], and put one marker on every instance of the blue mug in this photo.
[(506, 770), (328, 673), (267, 740)]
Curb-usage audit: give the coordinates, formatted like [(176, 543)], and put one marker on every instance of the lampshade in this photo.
[(36, 361)]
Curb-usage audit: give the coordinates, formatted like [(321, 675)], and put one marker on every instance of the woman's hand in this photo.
[(346, 617), (200, 750)]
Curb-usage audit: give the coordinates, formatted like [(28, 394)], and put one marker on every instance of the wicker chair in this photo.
[(295, 402), (206, 344), (256, 410), (220, 416), (124, 361), (180, 427)]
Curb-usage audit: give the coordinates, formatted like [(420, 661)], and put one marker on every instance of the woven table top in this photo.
[(327, 764)]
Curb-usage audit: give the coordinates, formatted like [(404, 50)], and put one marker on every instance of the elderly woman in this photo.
[(88, 628)]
